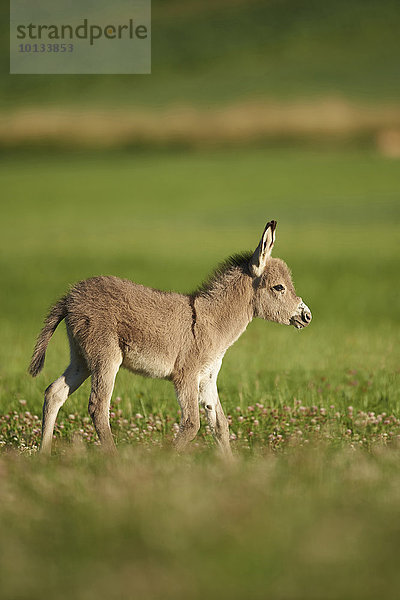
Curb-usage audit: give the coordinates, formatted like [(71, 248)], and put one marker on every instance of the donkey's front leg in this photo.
[(187, 391), (208, 397)]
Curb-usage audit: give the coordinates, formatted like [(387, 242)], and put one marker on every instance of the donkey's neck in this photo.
[(225, 310)]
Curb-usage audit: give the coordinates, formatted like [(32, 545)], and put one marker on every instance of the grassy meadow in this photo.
[(310, 507)]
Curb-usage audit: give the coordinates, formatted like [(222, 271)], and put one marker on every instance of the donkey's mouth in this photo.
[(298, 323)]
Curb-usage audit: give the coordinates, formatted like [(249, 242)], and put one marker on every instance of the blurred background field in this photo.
[(254, 110), (166, 220), (220, 52), (227, 73)]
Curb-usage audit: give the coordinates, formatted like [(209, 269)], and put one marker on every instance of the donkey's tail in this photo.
[(57, 313)]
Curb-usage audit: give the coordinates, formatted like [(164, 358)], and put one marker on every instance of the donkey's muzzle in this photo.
[(302, 316)]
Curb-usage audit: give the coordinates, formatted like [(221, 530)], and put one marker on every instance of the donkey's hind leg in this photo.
[(57, 393), (103, 378)]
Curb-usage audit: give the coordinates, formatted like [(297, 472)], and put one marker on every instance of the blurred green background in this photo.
[(205, 52), (284, 110)]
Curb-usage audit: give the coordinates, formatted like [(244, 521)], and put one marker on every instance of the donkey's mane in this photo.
[(234, 263)]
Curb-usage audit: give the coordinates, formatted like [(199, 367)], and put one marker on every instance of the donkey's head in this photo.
[(275, 298)]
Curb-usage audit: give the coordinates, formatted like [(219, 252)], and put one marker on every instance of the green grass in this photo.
[(312, 524), (218, 52), (310, 508)]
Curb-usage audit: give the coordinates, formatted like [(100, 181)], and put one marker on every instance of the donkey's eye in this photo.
[(278, 288)]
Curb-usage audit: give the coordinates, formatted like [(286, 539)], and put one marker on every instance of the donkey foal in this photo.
[(114, 322)]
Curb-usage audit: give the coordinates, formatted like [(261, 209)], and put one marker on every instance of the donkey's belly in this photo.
[(157, 366)]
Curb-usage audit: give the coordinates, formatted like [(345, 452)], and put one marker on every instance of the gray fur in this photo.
[(114, 322)]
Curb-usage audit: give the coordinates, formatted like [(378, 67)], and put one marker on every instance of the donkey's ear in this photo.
[(263, 250)]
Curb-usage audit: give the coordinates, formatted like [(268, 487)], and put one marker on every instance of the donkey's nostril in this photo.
[(306, 316)]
